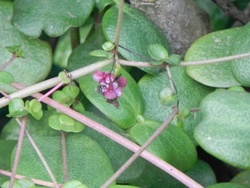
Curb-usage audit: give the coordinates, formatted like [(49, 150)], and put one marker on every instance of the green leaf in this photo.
[(243, 178), (158, 52), (226, 185), (16, 49), (71, 91), (122, 186), (35, 127), (174, 59), (64, 77), (74, 184), (54, 122), (101, 53), (190, 93), (87, 162), (135, 26), (224, 129), (241, 67), (108, 46), (16, 108), (32, 18), (125, 115), (80, 56), (37, 63), (117, 154), (101, 4), (6, 78), (63, 48), (6, 147), (34, 107), (7, 184), (219, 20), (26, 183), (214, 45), (202, 173), (173, 145)]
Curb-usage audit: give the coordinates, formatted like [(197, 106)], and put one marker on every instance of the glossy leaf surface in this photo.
[(54, 17), (87, 162), (224, 129), (211, 46), (37, 62)]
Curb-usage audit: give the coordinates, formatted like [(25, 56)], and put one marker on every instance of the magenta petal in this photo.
[(110, 94), (98, 76), (118, 91), (122, 82)]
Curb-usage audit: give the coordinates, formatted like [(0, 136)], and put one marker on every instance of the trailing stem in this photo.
[(18, 151), (120, 140), (140, 150)]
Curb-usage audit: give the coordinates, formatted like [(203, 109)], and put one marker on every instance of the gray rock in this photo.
[(181, 20)]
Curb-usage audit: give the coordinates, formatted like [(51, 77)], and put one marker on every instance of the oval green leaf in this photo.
[(224, 129), (173, 145), (6, 78), (243, 178), (135, 26), (241, 67), (87, 162), (37, 62), (32, 18), (158, 52), (130, 103), (190, 93), (214, 45)]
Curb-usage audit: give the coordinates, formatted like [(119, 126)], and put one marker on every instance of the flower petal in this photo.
[(122, 82)]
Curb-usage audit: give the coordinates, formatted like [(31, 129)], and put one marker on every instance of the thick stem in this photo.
[(140, 150), (74, 37), (54, 81), (18, 151)]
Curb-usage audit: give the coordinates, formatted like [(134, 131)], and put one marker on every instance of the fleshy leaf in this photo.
[(158, 52), (101, 53), (135, 26), (241, 67), (211, 46), (63, 48), (165, 146), (17, 49), (6, 78), (74, 184), (80, 56), (16, 108), (37, 62), (32, 18), (117, 154), (125, 115), (35, 127), (226, 185), (243, 178), (34, 107), (87, 162), (224, 129), (101, 4), (189, 93)]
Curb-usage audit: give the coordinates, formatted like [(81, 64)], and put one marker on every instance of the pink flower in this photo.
[(110, 87)]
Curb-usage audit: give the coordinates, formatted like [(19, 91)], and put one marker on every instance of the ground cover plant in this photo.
[(94, 95)]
